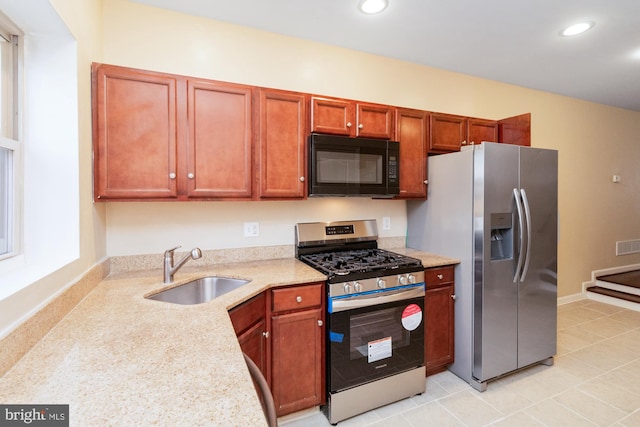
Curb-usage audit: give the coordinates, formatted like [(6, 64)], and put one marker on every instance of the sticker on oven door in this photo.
[(379, 349), (411, 317)]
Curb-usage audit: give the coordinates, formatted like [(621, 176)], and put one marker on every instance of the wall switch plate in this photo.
[(386, 223), (251, 229)]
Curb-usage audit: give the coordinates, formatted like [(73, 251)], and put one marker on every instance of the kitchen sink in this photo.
[(199, 291)]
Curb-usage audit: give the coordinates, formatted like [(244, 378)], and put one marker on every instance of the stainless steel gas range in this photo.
[(375, 322)]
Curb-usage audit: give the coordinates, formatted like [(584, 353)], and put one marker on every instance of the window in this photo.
[(9, 144)]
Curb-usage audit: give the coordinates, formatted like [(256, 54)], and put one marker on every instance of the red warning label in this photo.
[(411, 317)]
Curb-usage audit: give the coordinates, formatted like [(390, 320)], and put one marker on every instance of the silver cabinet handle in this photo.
[(299, 299), (440, 276), (190, 176), (453, 297), (348, 124), (265, 334), (302, 179), (360, 126), (320, 322), (172, 175), (464, 142), (426, 181)]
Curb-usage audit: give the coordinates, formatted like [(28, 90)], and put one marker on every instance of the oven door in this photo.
[(371, 342)]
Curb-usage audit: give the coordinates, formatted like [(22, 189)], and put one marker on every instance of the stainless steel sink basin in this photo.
[(199, 291)]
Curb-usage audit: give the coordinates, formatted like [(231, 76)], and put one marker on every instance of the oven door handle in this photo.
[(358, 301)]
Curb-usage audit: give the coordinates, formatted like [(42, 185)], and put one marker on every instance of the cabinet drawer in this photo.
[(438, 276), (297, 297), (248, 313)]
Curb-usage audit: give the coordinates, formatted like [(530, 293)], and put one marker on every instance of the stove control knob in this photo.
[(347, 288), (357, 286), (402, 280), (382, 283), (412, 278)]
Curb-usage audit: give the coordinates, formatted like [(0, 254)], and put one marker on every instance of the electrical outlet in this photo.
[(251, 229), (386, 223)]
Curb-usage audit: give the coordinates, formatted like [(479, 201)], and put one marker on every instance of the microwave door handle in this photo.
[(527, 212), (343, 304), (521, 232)]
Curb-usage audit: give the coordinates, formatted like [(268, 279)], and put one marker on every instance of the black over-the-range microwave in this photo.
[(343, 166)]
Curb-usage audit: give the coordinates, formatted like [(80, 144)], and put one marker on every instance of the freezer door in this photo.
[(495, 326), (537, 293)]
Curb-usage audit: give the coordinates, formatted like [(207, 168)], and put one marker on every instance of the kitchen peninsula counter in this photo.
[(120, 359)]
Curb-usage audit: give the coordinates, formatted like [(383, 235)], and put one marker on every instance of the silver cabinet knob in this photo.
[(302, 179), (440, 276), (320, 322), (464, 142), (453, 297), (265, 334), (190, 176), (360, 126), (426, 181), (299, 299), (172, 175)]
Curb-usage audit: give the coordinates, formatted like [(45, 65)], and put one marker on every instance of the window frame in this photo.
[(12, 141)]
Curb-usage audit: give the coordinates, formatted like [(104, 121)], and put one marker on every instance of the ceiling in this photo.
[(510, 41)]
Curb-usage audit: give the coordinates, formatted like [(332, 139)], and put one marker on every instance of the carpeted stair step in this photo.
[(615, 294)]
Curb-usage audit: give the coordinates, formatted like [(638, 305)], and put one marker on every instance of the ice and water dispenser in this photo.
[(501, 236)]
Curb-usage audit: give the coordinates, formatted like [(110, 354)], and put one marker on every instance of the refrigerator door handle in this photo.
[(527, 212), (521, 255)]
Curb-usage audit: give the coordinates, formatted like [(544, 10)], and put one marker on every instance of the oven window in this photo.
[(334, 167), (376, 334)]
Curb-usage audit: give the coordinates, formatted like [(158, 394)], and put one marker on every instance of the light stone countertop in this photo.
[(120, 359)]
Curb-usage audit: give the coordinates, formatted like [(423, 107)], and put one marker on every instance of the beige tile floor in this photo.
[(595, 381)]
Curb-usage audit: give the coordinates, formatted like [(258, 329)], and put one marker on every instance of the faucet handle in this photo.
[(170, 251)]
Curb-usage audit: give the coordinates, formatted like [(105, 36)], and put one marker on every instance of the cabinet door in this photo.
[(253, 343), (479, 130), (412, 131), (135, 133), (281, 144), (297, 360), (332, 116), (515, 130), (439, 327), (447, 132), (374, 121), (219, 146)]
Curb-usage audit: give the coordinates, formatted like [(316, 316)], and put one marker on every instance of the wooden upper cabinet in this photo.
[(515, 130), (282, 132), (351, 118), (447, 132), (412, 132), (135, 128), (219, 145), (332, 116), (374, 120), (479, 130)]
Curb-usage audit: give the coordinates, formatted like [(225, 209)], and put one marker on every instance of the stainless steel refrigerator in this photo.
[(494, 207)]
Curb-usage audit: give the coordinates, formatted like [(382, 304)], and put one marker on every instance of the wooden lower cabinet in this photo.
[(297, 360), (439, 318), (282, 331), (250, 324), (297, 352)]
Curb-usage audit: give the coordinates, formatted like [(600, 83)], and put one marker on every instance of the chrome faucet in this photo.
[(170, 269)]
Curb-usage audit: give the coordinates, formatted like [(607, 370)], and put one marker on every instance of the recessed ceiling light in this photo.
[(576, 29), (372, 6)]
